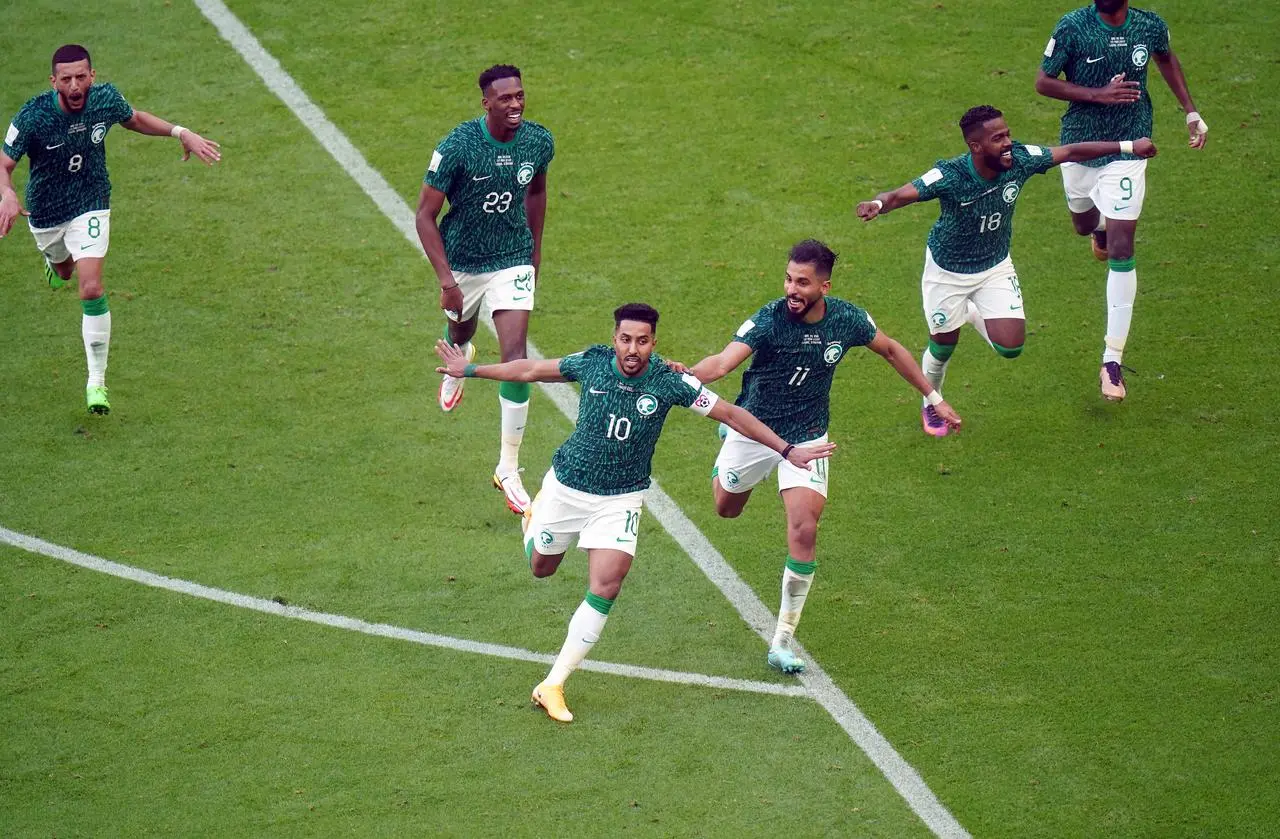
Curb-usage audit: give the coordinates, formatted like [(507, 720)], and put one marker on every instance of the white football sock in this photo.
[(795, 588), (1122, 290), (96, 332), (935, 369), (584, 630), (514, 417)]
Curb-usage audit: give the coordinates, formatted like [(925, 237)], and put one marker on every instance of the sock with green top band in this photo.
[(1122, 290), (1007, 352), (95, 331), (942, 352), (802, 567), (515, 391), (598, 603), (584, 630), (96, 306), (1122, 264), (797, 577)]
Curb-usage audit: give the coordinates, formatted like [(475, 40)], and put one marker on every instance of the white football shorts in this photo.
[(995, 292), (86, 235), (510, 288), (1117, 189), (609, 522), (743, 463)]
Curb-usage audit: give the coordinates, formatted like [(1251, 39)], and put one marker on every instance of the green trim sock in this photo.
[(934, 363), (797, 577), (584, 630), (1007, 352), (513, 401), (95, 331), (1122, 290)]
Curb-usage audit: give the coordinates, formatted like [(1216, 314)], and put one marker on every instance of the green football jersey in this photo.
[(975, 227), (619, 419), (788, 384), (485, 181), (67, 152), (1091, 52)]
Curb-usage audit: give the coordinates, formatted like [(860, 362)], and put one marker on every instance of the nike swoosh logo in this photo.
[(485, 178), (50, 148), (988, 192), (1014, 308), (1094, 60), (1118, 207), (625, 541), (521, 297), (597, 392)]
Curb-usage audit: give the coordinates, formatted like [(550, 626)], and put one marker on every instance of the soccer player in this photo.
[(488, 247), (1104, 49), (796, 341), (598, 478), (968, 273), (62, 131)]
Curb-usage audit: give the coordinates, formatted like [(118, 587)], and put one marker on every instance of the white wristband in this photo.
[(1194, 116), (176, 131), (933, 397), (1126, 146), (879, 204)]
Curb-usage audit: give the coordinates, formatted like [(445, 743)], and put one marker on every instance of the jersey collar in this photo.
[(1128, 16)]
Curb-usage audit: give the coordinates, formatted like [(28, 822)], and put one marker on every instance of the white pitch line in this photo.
[(127, 572), (899, 773)]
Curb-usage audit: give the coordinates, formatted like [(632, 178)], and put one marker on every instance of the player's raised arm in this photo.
[(520, 370), (1080, 152), (717, 366), (746, 424), (886, 201), (10, 205), (192, 143), (1171, 69), (902, 361)]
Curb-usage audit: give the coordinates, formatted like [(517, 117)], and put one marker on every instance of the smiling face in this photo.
[(804, 288), (504, 103), (993, 144), (72, 80), (633, 342)]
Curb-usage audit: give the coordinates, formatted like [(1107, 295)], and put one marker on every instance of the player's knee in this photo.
[(802, 532), (1008, 352), (543, 566), (728, 506)]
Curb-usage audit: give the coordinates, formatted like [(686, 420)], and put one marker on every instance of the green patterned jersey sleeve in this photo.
[(18, 137), (756, 330), (117, 109), (933, 183), (571, 366), (1058, 50), (861, 329), (687, 391), (1032, 159), (1161, 45), (446, 162)]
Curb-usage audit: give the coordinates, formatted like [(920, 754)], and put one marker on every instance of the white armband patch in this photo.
[(872, 321), (704, 403), (931, 177), (1034, 150), (11, 135), (1048, 50), (747, 326), (436, 159)]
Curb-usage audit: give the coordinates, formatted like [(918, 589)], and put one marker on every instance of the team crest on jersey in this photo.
[(545, 539), (524, 174), (99, 131), (1009, 193), (832, 353), (647, 404), (1140, 55)]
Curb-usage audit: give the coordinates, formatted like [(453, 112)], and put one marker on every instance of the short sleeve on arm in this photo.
[(1057, 51), (443, 168), (15, 139), (118, 108), (862, 330), (1161, 45), (694, 395), (932, 183), (1036, 160), (571, 366), (756, 329)]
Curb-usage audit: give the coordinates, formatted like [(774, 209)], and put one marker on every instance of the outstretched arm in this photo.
[(746, 424), (521, 370), (1171, 69), (1080, 152), (10, 204), (886, 201), (902, 361), (192, 143), (721, 364), (535, 210)]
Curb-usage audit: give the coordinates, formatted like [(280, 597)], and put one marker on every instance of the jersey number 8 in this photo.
[(497, 202)]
